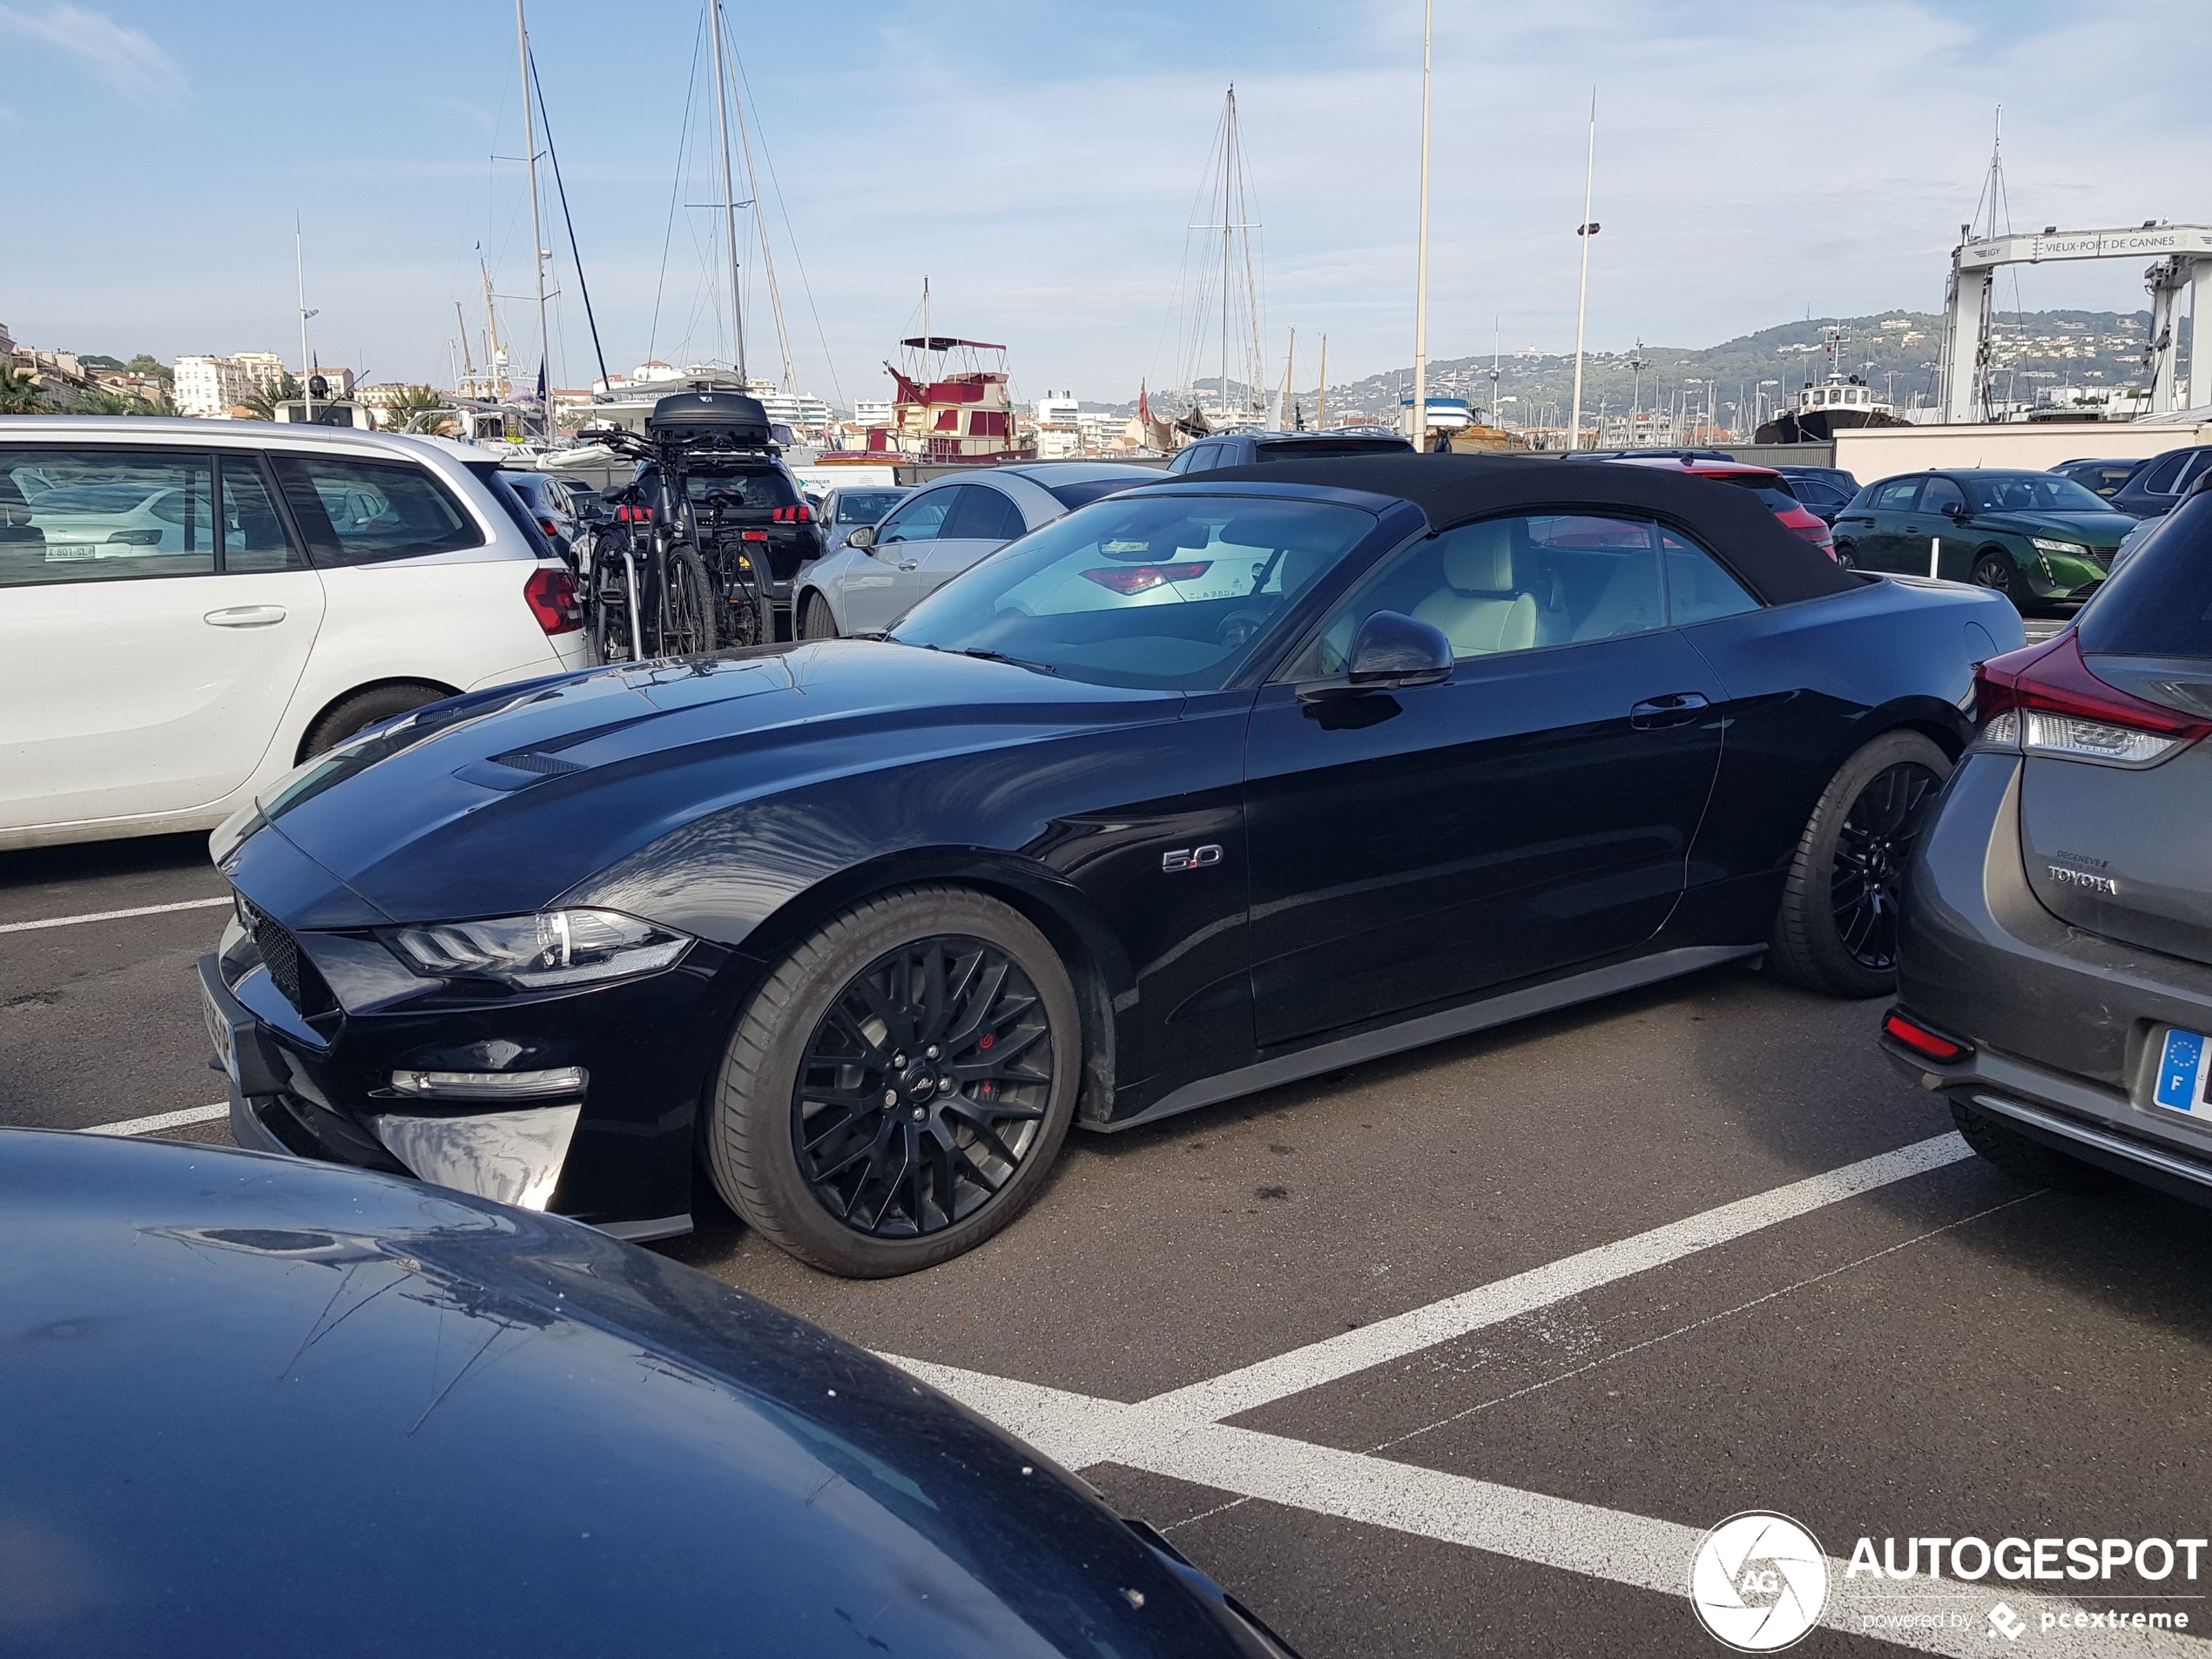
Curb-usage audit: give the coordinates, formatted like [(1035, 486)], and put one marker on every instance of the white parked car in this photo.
[(190, 608), (937, 532)]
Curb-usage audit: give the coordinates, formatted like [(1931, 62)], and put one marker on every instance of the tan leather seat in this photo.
[(1478, 610)]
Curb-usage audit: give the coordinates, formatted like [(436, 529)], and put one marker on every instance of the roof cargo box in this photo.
[(723, 419)]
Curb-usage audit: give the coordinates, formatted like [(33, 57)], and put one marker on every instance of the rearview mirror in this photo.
[(1391, 649), (863, 536)]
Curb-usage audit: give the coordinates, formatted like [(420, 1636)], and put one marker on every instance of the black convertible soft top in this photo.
[(1775, 563)]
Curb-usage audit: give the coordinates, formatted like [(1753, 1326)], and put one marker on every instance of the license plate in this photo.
[(219, 1032), (2183, 1072)]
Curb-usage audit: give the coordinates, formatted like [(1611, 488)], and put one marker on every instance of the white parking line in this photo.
[(1609, 1544), (111, 915), (162, 1120), (1341, 1356)]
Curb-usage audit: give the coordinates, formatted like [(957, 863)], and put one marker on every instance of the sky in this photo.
[(1039, 164)]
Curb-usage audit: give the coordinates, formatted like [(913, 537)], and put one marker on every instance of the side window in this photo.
[(2165, 475), (1939, 494), (983, 514), (1896, 496), (2198, 465), (1182, 462), (354, 512), (254, 537), (1202, 456), (1509, 584), (921, 519), (1698, 589), (100, 516)]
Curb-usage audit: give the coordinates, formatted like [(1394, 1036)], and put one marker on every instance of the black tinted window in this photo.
[(766, 488), (983, 514), (865, 506), (2164, 473), (2160, 602), (355, 512)]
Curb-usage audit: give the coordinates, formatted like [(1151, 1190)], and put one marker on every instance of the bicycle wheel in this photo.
[(610, 621), (687, 609), (744, 618)]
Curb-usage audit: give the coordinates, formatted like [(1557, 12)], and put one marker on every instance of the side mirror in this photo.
[(1957, 509), (862, 536), (1392, 650)]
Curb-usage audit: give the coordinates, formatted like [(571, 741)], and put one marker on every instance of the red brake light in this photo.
[(633, 515), (1901, 1027), (753, 535), (549, 526), (1135, 579), (2053, 678), (552, 599)]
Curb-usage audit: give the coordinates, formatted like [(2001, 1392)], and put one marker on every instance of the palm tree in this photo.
[(263, 400), (19, 394), (418, 409)]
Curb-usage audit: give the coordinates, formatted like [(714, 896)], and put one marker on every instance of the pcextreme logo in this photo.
[(1758, 1582)]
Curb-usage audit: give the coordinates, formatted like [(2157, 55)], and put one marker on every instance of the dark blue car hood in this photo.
[(262, 1406), (502, 802)]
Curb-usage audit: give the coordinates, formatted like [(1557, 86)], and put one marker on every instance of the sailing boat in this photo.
[(1222, 318)]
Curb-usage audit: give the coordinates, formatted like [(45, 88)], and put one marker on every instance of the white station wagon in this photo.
[(190, 608)]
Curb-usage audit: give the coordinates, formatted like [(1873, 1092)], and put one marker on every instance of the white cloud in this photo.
[(126, 58)]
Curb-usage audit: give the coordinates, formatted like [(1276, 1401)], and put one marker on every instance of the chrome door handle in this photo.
[(1676, 708), (246, 617), (910, 564)]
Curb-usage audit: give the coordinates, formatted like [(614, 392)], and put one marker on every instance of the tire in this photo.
[(1844, 555), (815, 621), (1837, 929), (1993, 571), (887, 1208), (2026, 1159), (610, 632), (363, 709), (689, 627)]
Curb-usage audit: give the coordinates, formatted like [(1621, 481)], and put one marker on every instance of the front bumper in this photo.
[(2068, 1028), (615, 1151)]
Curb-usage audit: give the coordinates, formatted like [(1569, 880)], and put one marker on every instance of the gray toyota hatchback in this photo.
[(2055, 969)]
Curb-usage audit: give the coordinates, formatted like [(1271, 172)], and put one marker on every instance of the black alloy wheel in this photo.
[(688, 622), (1993, 570), (899, 1087), (1837, 929), (1871, 855), (923, 1089)]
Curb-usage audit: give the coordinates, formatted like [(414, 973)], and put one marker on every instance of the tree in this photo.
[(145, 363), (263, 400), (418, 409), (19, 394), (100, 401)]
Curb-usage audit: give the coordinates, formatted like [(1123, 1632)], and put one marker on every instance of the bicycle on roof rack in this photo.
[(688, 562)]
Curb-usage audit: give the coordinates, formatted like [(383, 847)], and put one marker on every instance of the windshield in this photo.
[(2028, 492), (1155, 593), (766, 488), (865, 506), (2159, 602)]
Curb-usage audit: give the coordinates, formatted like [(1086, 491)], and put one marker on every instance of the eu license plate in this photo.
[(2182, 1071), (219, 1033)]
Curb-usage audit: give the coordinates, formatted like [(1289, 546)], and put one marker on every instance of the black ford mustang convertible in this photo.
[(1207, 786)]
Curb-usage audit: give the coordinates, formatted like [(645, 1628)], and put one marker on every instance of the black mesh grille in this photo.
[(289, 969), (529, 760)]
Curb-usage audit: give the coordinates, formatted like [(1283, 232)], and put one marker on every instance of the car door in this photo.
[(882, 584), (982, 520), (1930, 522), (1535, 811), (1878, 522), (143, 668)]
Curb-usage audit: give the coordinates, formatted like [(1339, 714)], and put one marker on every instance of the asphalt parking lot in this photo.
[(1459, 1352)]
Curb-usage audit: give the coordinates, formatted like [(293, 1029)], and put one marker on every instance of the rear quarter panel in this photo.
[(1809, 684)]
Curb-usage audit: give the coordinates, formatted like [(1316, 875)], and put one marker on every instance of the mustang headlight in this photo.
[(554, 947), (2072, 549)]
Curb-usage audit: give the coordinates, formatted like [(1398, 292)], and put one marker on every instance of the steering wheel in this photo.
[(1239, 625)]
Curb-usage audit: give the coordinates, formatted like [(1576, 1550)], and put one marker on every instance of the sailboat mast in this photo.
[(925, 331), (1321, 405), (728, 203), (300, 267), (1586, 230), (462, 323), (1228, 230), (498, 363), (768, 258), (537, 236), (1289, 380), (1420, 278)]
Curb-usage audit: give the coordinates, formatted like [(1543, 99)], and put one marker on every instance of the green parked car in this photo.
[(2042, 538)]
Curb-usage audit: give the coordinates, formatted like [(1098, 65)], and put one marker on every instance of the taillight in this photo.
[(752, 536), (633, 515), (2045, 701), (801, 515), (552, 597), (1135, 579), (1900, 1027), (548, 526)]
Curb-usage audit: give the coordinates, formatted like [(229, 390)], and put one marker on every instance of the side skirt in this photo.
[(1435, 1027)]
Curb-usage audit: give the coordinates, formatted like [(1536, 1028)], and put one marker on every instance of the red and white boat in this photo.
[(956, 415)]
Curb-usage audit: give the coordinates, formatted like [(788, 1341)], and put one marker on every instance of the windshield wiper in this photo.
[(1018, 662)]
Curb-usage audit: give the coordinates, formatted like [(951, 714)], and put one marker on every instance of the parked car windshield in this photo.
[(1164, 592), (865, 506), (762, 487), (2028, 492), (2158, 604)]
